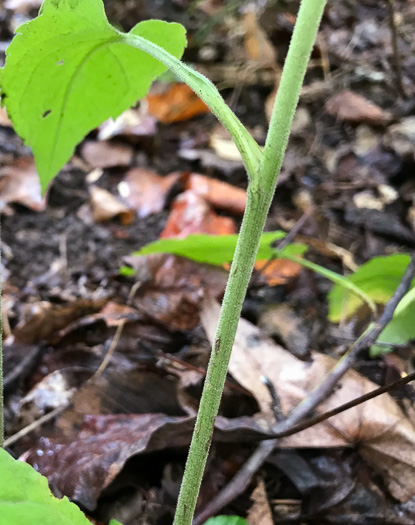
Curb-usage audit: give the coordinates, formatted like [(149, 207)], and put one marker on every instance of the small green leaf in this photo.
[(114, 522), (401, 328), (291, 250), (69, 70), (210, 249), (226, 520), (126, 271), (378, 278), (25, 498)]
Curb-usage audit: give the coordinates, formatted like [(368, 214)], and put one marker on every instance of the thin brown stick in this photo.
[(242, 479), (36, 424), (395, 48), (342, 408), (365, 341)]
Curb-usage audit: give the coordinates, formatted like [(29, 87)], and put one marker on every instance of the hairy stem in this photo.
[(247, 146), (1, 378), (260, 193)]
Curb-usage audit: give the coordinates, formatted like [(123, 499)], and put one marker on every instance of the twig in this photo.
[(366, 340), (342, 408), (36, 424), (290, 425), (21, 368), (395, 48), (238, 483)]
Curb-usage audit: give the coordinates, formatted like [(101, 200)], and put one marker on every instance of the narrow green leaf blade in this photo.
[(210, 249), (226, 520), (69, 70), (25, 498)]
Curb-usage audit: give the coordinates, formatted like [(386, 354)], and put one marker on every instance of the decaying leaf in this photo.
[(257, 45), (175, 287), (192, 214), (351, 107), (385, 437), (105, 206), (107, 154), (44, 319), (174, 103), (19, 183), (260, 512), (146, 191), (219, 194), (278, 271)]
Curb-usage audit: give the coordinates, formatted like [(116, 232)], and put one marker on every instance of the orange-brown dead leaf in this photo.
[(192, 214), (219, 194), (278, 271), (257, 45), (174, 103)]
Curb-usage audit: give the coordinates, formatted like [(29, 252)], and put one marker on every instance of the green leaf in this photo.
[(126, 271), (401, 328), (69, 70), (290, 252), (210, 249), (114, 522), (378, 278), (25, 498), (226, 520)]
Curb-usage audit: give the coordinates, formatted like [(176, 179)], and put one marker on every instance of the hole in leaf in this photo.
[(59, 62)]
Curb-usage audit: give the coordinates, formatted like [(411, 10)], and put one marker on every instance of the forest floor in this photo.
[(115, 437)]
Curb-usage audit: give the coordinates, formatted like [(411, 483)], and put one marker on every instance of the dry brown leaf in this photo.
[(260, 512), (351, 107), (192, 214), (105, 206), (44, 319), (379, 428), (175, 287), (257, 45), (145, 191), (219, 194), (113, 314), (19, 183), (174, 103), (107, 154)]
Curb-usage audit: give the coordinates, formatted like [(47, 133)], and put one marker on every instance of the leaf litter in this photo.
[(351, 151)]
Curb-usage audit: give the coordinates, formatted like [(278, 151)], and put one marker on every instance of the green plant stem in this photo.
[(203, 87), (1, 379), (260, 193)]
